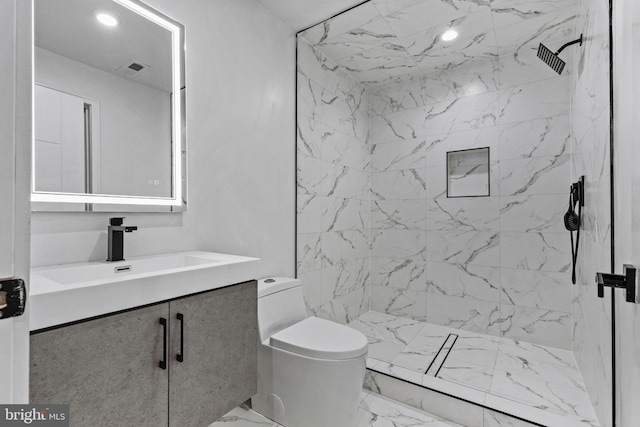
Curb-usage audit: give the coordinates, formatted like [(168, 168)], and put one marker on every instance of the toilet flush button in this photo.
[(269, 281)]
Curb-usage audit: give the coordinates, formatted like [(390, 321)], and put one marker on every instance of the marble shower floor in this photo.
[(374, 411), (533, 382)]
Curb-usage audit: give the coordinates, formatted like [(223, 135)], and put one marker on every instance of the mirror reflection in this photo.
[(104, 110)]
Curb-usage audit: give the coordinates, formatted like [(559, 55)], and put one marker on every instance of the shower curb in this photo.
[(496, 412)]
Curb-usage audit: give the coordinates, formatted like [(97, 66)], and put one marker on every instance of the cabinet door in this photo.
[(105, 369), (219, 367)]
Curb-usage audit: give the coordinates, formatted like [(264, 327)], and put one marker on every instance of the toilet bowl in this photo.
[(310, 370)]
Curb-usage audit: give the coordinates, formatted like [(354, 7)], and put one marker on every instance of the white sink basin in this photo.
[(62, 294), (111, 271)]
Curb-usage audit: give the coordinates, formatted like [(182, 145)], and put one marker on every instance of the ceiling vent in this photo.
[(131, 69), (136, 67)]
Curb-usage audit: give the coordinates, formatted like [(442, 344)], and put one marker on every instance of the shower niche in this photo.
[(468, 173)]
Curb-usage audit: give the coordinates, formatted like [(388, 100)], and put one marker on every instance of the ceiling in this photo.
[(301, 14), (383, 42), (69, 28)]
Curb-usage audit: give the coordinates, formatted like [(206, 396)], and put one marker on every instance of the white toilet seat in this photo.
[(321, 339)]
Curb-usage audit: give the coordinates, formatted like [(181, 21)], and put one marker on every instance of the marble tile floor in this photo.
[(374, 411), (533, 382)]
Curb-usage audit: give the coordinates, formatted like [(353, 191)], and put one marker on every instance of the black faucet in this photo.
[(116, 238)]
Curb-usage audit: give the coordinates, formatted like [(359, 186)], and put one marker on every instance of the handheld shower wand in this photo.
[(551, 59), (572, 220)]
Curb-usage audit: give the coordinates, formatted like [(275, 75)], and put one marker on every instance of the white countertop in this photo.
[(52, 303)]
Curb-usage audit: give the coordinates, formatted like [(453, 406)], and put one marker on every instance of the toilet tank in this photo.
[(280, 305)]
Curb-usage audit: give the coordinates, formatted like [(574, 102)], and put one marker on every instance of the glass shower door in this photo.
[(627, 201)]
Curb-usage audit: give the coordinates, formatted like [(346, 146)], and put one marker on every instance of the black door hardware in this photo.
[(626, 280), (13, 298), (180, 355), (163, 362)]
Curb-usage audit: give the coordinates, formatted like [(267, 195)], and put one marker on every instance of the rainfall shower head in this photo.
[(551, 59)]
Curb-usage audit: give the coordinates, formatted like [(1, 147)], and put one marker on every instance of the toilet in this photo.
[(310, 370)]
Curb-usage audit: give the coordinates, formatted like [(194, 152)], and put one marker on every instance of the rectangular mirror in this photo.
[(109, 122)]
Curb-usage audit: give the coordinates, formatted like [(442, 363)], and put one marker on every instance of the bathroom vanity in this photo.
[(163, 340), (175, 345)]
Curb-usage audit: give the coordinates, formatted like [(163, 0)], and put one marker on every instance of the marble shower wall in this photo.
[(497, 264), (590, 126), (332, 188)]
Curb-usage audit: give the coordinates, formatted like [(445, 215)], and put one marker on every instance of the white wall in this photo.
[(241, 149)]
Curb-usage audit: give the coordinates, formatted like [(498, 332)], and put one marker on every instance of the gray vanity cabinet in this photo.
[(105, 369), (218, 371), (108, 369)]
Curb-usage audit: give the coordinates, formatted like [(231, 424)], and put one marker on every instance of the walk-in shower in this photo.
[(465, 293)]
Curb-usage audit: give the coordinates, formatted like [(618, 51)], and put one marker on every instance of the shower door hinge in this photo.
[(13, 298), (628, 280)]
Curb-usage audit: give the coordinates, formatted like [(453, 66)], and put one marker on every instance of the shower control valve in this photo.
[(628, 280)]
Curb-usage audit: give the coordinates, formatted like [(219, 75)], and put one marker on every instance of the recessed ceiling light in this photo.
[(106, 18), (449, 35)]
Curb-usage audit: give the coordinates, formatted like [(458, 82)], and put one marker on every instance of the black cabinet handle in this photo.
[(163, 362), (180, 355)]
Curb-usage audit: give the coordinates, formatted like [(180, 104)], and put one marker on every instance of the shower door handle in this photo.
[(628, 280)]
